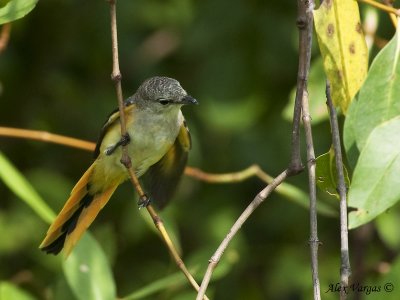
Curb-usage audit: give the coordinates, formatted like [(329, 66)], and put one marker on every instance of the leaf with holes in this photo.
[(343, 48)]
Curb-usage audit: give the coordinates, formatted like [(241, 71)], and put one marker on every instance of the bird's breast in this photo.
[(151, 137)]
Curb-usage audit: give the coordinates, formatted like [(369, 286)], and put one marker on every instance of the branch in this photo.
[(253, 170), (5, 36), (383, 7), (116, 78), (305, 25), (46, 137), (393, 16), (314, 241), (261, 196), (125, 159), (345, 269)]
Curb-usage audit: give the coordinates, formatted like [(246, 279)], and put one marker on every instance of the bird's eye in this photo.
[(163, 101)]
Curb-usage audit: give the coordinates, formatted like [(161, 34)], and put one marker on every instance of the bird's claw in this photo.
[(144, 201), (125, 140)]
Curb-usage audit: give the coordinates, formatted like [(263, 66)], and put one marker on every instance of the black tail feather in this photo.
[(58, 244)]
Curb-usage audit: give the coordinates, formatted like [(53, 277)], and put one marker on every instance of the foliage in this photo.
[(12, 10)]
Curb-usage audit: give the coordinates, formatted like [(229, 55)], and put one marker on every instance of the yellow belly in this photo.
[(150, 141)]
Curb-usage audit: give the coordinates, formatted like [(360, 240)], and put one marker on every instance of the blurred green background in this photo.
[(239, 59)]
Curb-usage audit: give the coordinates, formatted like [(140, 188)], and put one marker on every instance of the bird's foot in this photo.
[(125, 140), (144, 201)]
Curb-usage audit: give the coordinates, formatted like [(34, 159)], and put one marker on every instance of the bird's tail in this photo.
[(76, 216)]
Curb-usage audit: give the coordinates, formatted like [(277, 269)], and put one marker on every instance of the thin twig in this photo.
[(314, 241), (345, 269), (125, 159), (253, 170), (392, 16), (46, 137), (5, 36), (261, 196), (381, 6)]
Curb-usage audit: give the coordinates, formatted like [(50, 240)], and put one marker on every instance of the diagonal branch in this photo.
[(126, 160), (345, 269), (261, 196)]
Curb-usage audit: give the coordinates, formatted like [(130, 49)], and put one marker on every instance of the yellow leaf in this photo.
[(343, 47)]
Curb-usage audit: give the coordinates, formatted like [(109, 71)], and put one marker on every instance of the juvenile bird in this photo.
[(158, 142)]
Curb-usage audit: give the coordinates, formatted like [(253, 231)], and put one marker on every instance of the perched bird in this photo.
[(158, 142)]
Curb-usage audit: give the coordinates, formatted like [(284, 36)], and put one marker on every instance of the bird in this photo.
[(157, 141)]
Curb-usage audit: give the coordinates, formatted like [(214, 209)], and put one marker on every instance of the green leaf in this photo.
[(88, 272), (3, 3), (326, 173), (22, 188), (16, 9), (316, 91), (379, 97), (343, 47), (376, 183), (349, 136), (11, 291)]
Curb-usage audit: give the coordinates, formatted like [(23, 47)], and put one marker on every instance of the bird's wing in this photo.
[(112, 120), (161, 179)]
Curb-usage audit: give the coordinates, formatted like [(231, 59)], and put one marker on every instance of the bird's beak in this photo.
[(188, 100)]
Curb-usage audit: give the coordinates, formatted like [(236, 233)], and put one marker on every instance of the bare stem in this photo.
[(393, 17), (383, 7), (314, 241), (261, 196), (345, 270), (5, 36), (45, 136)]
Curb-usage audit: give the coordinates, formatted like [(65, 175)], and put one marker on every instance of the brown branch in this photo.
[(5, 36), (125, 159), (253, 170), (345, 269), (392, 16), (46, 137), (383, 7), (261, 196)]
